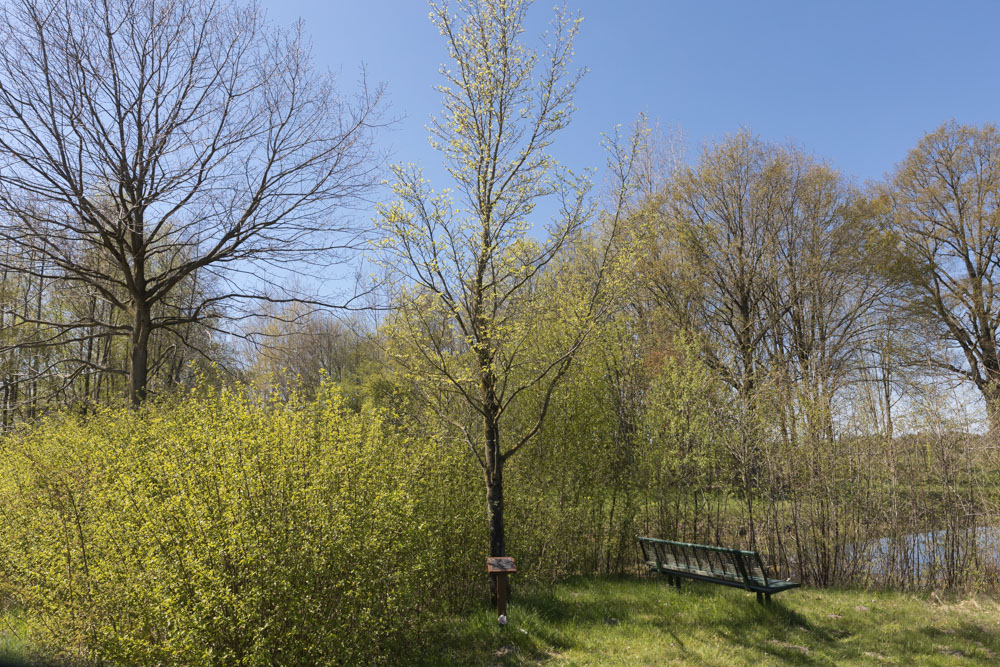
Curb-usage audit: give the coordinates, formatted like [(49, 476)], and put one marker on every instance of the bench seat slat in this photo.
[(708, 573), (775, 586)]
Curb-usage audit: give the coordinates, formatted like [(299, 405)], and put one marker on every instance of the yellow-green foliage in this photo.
[(215, 529)]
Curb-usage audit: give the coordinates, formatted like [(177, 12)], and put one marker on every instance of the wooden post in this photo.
[(499, 568), (501, 593)]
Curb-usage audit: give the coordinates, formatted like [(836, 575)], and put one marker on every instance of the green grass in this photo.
[(13, 650), (645, 622)]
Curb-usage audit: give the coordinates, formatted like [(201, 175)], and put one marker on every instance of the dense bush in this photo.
[(630, 433), (644, 437), (215, 529)]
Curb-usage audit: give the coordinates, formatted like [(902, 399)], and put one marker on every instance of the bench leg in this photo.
[(767, 596), (760, 598), (677, 582)]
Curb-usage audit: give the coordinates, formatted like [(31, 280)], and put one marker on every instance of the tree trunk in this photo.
[(993, 411), (139, 353), (494, 494), (990, 388), (494, 506)]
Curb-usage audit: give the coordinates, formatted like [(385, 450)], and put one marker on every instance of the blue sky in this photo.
[(857, 83), (853, 82)]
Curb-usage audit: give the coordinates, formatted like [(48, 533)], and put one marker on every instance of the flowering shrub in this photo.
[(217, 529)]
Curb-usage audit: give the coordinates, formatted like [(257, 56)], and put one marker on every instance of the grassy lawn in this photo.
[(645, 622), (12, 649)]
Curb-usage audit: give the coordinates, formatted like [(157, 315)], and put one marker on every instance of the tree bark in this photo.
[(494, 501), (493, 455), (142, 326), (494, 479), (991, 395)]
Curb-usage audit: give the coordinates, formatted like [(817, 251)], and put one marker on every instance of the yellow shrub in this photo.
[(215, 529)]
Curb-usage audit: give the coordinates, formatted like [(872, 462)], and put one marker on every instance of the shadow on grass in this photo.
[(771, 629), (546, 623), (476, 638), (598, 620), (977, 643)]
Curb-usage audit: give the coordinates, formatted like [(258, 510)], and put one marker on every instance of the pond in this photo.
[(919, 553)]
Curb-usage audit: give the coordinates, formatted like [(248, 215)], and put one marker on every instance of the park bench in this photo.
[(717, 565)]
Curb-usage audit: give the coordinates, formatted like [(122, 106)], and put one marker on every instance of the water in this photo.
[(923, 552)]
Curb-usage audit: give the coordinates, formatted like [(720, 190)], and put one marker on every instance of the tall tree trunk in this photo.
[(988, 383), (494, 492), (991, 395), (5, 411), (36, 364), (494, 474), (139, 353), (493, 456), (494, 496)]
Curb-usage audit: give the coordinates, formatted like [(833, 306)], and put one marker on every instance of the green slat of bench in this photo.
[(709, 547), (645, 555), (774, 586), (689, 568), (755, 586), (712, 580), (685, 570), (693, 557)]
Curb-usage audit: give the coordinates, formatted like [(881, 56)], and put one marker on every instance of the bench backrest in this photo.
[(703, 560)]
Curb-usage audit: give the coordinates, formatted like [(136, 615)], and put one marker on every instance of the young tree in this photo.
[(946, 197), (161, 138), (472, 303)]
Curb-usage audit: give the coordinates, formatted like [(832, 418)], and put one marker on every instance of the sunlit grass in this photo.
[(645, 622), (13, 649)]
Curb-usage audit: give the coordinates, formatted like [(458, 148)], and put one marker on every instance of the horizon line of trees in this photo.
[(766, 253)]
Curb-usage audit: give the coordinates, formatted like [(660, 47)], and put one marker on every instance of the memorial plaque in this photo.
[(500, 564)]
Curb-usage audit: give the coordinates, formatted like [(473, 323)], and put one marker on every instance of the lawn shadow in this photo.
[(735, 617), (700, 624), (979, 644), (476, 637)]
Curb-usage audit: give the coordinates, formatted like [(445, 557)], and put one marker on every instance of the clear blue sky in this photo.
[(855, 82)]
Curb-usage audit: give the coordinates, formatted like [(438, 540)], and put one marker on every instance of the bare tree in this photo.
[(829, 287), (161, 139), (300, 346), (947, 208), (718, 262), (768, 254)]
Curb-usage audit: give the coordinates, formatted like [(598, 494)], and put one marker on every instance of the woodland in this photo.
[(213, 452)]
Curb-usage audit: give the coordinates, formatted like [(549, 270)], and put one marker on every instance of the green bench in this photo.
[(717, 565)]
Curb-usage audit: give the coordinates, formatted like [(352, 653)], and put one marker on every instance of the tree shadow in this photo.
[(547, 623)]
